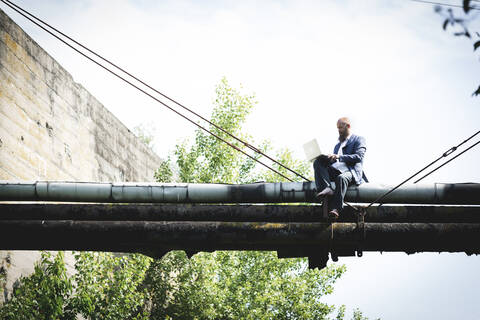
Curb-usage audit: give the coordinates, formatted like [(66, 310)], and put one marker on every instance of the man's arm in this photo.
[(359, 151)]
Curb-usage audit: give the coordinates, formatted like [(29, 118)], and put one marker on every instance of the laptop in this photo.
[(312, 150)]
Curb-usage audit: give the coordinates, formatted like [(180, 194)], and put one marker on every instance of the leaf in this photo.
[(476, 45), (445, 24), (466, 6), (477, 92)]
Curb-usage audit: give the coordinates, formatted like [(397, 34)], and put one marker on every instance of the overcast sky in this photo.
[(388, 65)]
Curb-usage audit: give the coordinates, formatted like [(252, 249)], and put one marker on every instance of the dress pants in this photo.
[(324, 174)]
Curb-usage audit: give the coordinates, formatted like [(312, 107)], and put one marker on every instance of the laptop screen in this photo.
[(312, 150)]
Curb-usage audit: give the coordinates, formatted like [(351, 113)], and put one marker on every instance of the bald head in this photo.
[(343, 126), (344, 120)]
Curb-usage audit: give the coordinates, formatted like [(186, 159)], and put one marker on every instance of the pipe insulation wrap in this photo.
[(76, 192), (148, 193), (207, 192), (459, 193)]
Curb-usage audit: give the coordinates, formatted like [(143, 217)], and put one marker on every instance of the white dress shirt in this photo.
[(339, 165)]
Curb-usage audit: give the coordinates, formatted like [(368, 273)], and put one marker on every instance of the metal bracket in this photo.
[(361, 230), (318, 260), (334, 256)]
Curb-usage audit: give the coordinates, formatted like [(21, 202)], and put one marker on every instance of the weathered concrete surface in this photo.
[(51, 128)]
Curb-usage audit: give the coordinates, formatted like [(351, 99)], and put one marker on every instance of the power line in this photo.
[(444, 4), (144, 92), (444, 155), (246, 144)]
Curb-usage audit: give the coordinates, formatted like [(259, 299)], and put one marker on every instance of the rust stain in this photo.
[(269, 225), (10, 42)]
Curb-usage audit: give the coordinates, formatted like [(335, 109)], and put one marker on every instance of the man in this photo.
[(345, 167)]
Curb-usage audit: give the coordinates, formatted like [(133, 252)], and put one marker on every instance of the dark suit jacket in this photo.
[(353, 154)]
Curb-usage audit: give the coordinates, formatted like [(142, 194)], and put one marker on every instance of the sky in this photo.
[(388, 65)]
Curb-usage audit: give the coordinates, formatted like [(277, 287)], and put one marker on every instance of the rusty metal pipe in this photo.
[(233, 213), (210, 236)]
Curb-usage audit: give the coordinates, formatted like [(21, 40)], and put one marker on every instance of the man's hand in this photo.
[(333, 157)]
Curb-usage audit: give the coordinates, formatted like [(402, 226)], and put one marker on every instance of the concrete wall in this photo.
[(51, 128)]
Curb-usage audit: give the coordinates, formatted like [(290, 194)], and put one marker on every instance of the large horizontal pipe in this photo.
[(463, 193), (233, 213), (144, 236)]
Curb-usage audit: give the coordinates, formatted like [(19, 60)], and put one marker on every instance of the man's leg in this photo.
[(322, 176), (342, 181)]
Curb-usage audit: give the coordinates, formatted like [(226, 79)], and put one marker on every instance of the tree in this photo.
[(104, 287), (108, 286), (145, 132), (459, 24), (210, 160), (42, 295), (239, 284)]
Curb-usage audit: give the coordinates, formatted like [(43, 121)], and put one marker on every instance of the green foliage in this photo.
[(181, 288), (209, 159), (145, 133), (108, 286), (258, 285), (238, 285), (164, 173), (341, 313), (286, 158), (42, 295), (103, 287), (358, 315), (3, 278)]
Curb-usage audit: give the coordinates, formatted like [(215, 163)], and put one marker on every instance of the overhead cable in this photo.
[(458, 155), (444, 4), (6, 2), (444, 155), (246, 144)]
